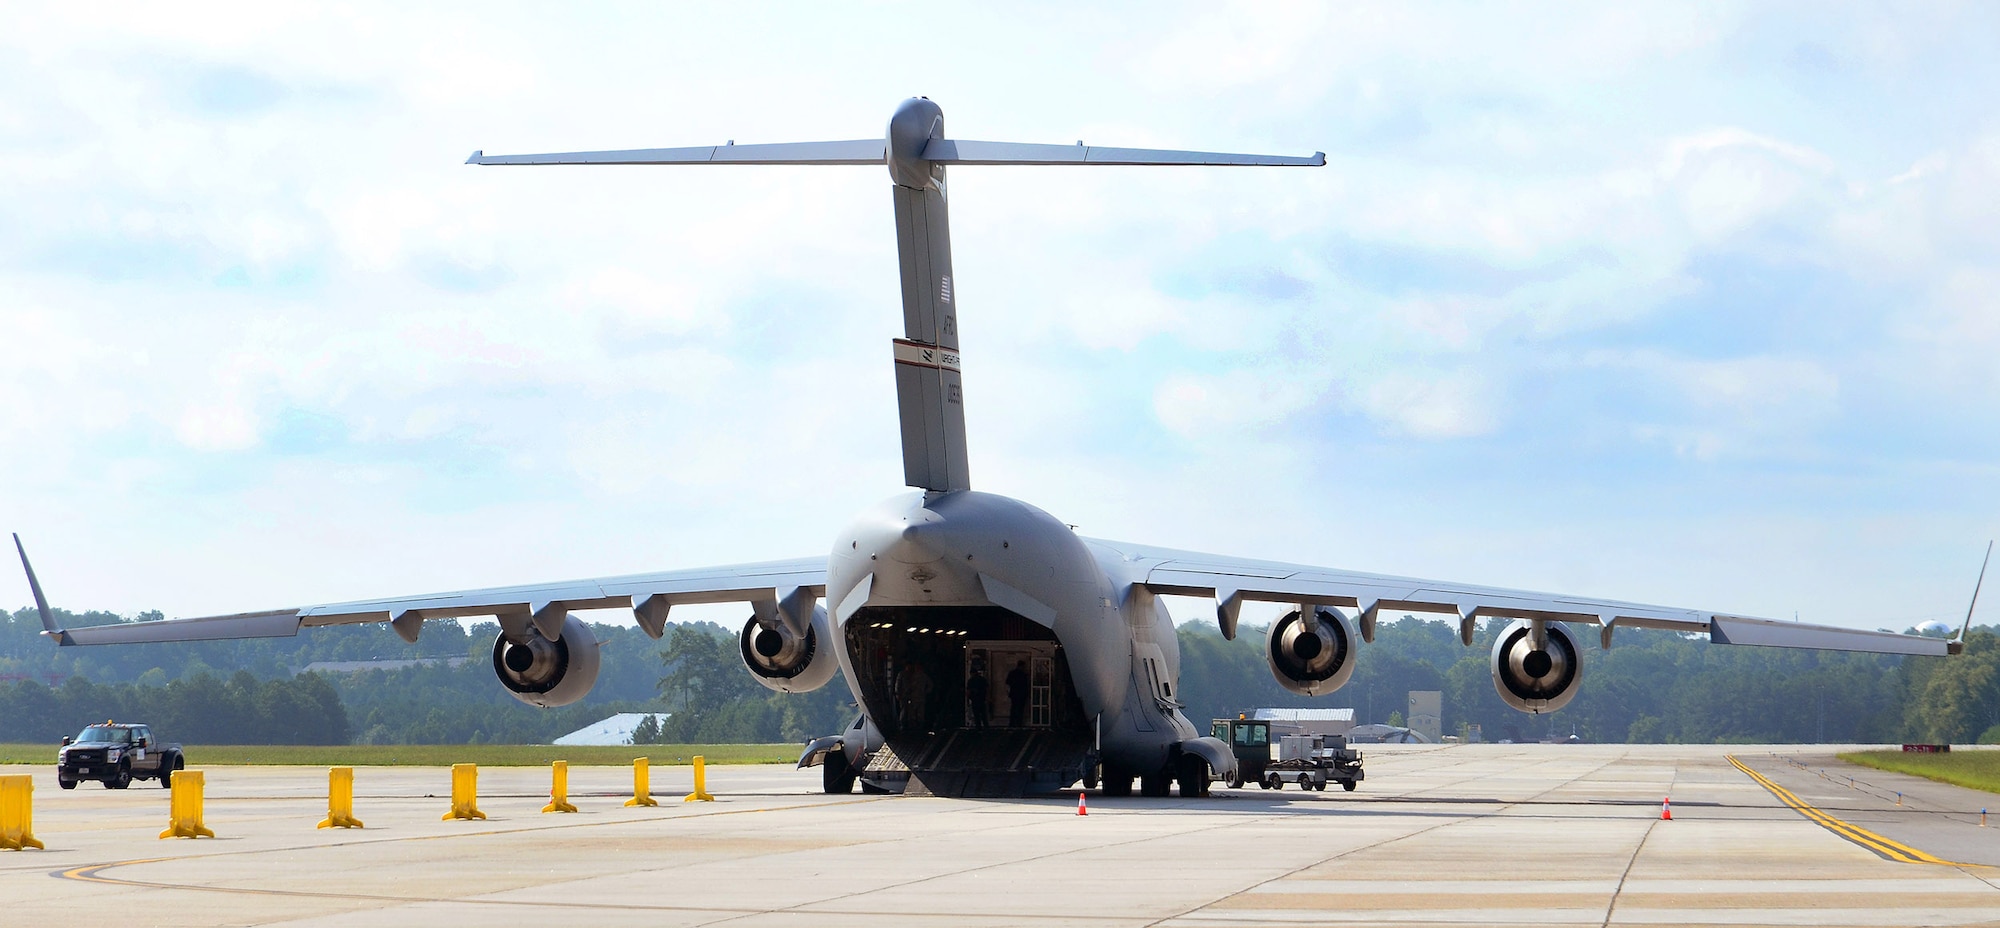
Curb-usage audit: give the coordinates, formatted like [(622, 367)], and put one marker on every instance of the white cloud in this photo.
[(1432, 406)]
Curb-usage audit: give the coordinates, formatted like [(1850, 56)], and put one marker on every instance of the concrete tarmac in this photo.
[(1460, 835)]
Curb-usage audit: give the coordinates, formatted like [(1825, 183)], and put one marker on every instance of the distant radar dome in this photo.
[(1935, 627)]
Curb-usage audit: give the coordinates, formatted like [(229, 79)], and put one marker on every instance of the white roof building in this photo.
[(1345, 714), (1286, 721), (612, 731)]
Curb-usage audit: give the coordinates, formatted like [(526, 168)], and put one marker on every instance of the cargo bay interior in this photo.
[(972, 701)]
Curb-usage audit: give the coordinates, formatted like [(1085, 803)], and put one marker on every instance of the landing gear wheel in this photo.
[(1155, 785), (1117, 782), (836, 776), (1193, 776), (1090, 776)]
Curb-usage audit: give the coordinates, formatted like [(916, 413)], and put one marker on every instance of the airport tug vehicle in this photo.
[(1311, 761)]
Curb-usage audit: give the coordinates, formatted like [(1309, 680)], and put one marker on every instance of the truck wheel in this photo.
[(119, 780), (1274, 781), (167, 768), (1236, 778), (66, 784), (1347, 785)]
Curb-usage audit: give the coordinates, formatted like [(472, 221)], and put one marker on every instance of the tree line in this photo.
[(201, 709)]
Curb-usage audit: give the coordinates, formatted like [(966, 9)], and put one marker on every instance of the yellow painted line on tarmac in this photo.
[(1892, 849)]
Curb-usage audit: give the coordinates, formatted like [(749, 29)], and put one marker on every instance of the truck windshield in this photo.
[(98, 734)]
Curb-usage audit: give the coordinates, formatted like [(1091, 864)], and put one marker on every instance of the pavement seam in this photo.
[(1473, 816), (1008, 863), (1611, 910)]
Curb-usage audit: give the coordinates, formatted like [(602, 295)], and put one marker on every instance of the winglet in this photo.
[(41, 602), (1957, 644), (474, 159)]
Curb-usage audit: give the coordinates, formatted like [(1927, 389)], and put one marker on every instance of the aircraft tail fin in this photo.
[(929, 386), (41, 602)]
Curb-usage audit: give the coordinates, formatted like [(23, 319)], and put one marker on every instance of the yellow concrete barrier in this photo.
[(559, 788), (642, 783), (464, 793), (17, 813), (700, 793), (340, 799), (184, 810)]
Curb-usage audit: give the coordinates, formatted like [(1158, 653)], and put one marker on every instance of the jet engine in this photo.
[(547, 673), (1311, 654), (1537, 672), (787, 662)]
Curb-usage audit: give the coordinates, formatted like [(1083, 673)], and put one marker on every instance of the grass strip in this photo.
[(443, 755), (1973, 769)]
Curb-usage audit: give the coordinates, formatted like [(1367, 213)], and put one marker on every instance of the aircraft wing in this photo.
[(763, 585), (1233, 581)]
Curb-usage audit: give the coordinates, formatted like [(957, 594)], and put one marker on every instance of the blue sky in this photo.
[(1691, 303)]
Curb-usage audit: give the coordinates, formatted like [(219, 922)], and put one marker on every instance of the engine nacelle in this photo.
[(1313, 654), (548, 673), (787, 662), (1537, 679)]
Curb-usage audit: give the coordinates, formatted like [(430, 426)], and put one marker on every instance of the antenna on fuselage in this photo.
[(929, 389)]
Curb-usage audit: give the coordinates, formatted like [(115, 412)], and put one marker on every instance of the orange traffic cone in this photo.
[(1081, 809), (1667, 809)]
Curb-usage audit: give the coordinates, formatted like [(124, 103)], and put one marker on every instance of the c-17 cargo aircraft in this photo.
[(991, 650)]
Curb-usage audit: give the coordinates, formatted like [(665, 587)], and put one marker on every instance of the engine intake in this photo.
[(786, 662), (548, 673), (1537, 679), (1313, 654)]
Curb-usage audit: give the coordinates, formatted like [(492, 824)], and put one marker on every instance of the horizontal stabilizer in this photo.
[(960, 151), (857, 151), (874, 151)]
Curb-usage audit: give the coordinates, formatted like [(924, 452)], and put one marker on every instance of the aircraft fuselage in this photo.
[(954, 581)]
